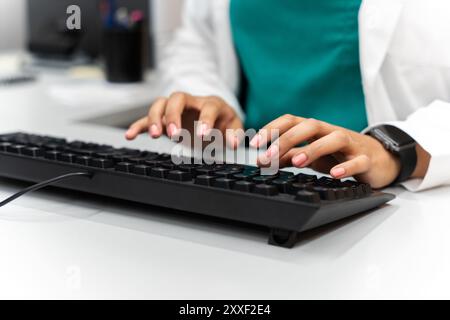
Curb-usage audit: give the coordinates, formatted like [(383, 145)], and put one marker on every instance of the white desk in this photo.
[(60, 244)]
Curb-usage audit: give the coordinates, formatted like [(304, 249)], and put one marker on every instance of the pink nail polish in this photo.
[(337, 172), (172, 130), (154, 131), (255, 141), (299, 160), (272, 151), (204, 129), (199, 129)]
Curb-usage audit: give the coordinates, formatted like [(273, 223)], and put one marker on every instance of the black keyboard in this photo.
[(285, 203)]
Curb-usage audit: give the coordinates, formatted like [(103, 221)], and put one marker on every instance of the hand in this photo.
[(329, 149), (167, 114)]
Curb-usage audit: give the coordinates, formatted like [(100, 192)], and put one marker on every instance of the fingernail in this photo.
[(154, 131), (299, 160), (272, 151), (199, 129), (337, 172), (205, 130), (172, 129), (129, 132), (255, 141)]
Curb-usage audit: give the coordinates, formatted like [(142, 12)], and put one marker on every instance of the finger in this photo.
[(136, 128), (155, 115), (286, 160), (336, 141), (175, 106), (207, 118), (302, 132), (357, 165), (234, 133), (324, 164), (282, 124)]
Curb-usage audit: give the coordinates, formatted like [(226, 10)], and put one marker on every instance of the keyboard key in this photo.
[(224, 183), (142, 170), (135, 160), (169, 165), (83, 160), (130, 152), (205, 170), (264, 179), (367, 189), (225, 174), (348, 191), (178, 175), (205, 180), (164, 157), (339, 193), (53, 146), (329, 182), (52, 155), (301, 177), (124, 167), (188, 168), (153, 163), (297, 186), (4, 146), (33, 152), (102, 163), (150, 155), (68, 157), (307, 196), (283, 185), (234, 167), (120, 157), (16, 148), (266, 190), (105, 155), (244, 186), (325, 193), (244, 176), (159, 172), (83, 152)]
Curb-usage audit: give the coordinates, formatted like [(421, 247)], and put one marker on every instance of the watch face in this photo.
[(392, 138), (399, 136)]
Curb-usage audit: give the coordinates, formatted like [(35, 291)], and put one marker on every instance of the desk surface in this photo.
[(61, 244)]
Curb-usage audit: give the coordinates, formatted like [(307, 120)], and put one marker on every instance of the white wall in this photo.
[(12, 24)]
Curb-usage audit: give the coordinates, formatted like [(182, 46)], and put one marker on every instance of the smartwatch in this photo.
[(400, 144)]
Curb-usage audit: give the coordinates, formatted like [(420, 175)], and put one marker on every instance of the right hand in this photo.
[(169, 115)]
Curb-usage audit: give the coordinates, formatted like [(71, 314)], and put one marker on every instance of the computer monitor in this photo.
[(48, 35)]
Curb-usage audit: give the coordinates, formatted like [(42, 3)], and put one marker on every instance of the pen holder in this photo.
[(123, 54)]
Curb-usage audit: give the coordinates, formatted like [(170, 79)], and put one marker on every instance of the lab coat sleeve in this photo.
[(190, 63), (430, 127)]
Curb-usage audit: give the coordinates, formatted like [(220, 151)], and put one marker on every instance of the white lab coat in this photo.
[(405, 62)]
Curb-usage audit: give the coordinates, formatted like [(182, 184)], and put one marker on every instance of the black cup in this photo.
[(123, 52)]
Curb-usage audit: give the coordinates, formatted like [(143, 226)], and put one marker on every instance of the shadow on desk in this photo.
[(58, 205)]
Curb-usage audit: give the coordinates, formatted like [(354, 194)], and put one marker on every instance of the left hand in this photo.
[(329, 149)]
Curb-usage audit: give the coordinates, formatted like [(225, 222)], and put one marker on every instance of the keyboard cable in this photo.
[(44, 184)]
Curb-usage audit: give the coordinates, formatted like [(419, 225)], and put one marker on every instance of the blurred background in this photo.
[(19, 18), (110, 62)]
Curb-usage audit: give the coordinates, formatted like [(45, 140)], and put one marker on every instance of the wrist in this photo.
[(391, 165), (423, 161)]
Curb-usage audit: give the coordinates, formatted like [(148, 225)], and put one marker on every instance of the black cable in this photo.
[(44, 184)]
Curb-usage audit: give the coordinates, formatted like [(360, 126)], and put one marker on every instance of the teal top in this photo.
[(300, 57)]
